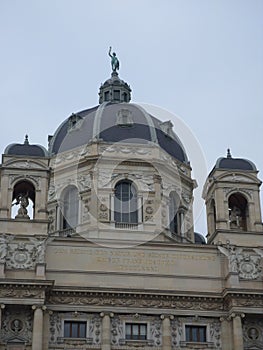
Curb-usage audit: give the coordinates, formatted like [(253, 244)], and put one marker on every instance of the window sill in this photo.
[(74, 341), (136, 343), (196, 345)]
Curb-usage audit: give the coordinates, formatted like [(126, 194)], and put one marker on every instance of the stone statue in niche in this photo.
[(22, 200), (235, 217)]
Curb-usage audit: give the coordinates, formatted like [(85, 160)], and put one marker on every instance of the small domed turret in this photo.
[(25, 149)]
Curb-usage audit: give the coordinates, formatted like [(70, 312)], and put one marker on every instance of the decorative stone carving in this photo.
[(104, 209), (245, 264), (232, 253), (156, 331), (253, 333), (51, 192), (176, 333), (54, 326), (24, 254), (247, 192), (126, 150), (16, 324), (20, 293), (124, 117), (95, 329), (140, 301), (117, 331), (249, 267), (84, 182), (19, 256), (215, 333), (4, 241), (34, 179)]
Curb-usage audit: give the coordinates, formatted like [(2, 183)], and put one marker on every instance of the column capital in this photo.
[(110, 314), (237, 314), (163, 316), (42, 307), (2, 306)]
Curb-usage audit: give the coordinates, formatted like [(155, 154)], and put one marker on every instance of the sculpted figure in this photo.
[(22, 199), (115, 64)]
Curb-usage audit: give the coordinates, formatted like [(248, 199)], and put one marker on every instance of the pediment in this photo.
[(25, 164)]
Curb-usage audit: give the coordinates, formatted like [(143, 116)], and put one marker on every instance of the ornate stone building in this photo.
[(98, 249)]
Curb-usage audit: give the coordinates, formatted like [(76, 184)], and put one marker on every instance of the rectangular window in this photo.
[(136, 331), (75, 329), (116, 94), (106, 95), (195, 333)]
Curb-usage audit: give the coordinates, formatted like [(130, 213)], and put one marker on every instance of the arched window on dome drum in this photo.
[(238, 211), (70, 208), (174, 219), (125, 203), (23, 200)]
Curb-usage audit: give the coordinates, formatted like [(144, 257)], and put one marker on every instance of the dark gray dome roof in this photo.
[(199, 239), (116, 122), (25, 149), (234, 163)]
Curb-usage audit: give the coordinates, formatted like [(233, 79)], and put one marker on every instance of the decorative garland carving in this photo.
[(140, 301)]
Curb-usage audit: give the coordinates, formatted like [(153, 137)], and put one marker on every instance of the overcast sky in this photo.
[(201, 60)]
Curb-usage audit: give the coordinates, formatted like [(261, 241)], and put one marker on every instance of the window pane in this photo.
[(74, 332), (82, 330), (195, 333), (75, 329), (66, 329), (125, 203)]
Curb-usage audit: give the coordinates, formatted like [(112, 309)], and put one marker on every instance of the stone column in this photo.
[(226, 334), (2, 306), (166, 332), (106, 331), (237, 332), (37, 339)]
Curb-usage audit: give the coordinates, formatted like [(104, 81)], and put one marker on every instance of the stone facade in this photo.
[(73, 276)]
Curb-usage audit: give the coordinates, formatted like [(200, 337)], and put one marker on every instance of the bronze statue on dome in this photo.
[(115, 64)]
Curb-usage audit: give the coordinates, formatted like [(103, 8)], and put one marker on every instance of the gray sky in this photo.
[(199, 59)]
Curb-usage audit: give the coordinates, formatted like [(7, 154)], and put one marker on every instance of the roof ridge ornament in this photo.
[(115, 64), (228, 153)]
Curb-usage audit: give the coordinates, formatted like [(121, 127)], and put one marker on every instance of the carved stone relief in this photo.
[(34, 179), (16, 324), (24, 254), (246, 264), (253, 334), (140, 301), (247, 192)]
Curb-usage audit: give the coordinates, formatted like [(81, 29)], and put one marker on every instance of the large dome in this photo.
[(116, 122)]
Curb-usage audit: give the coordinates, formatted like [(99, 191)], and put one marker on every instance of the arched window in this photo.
[(23, 200), (238, 211), (125, 203), (70, 208), (174, 219), (212, 212)]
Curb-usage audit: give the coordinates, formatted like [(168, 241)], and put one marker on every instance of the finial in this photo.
[(26, 142), (228, 153), (115, 64)]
